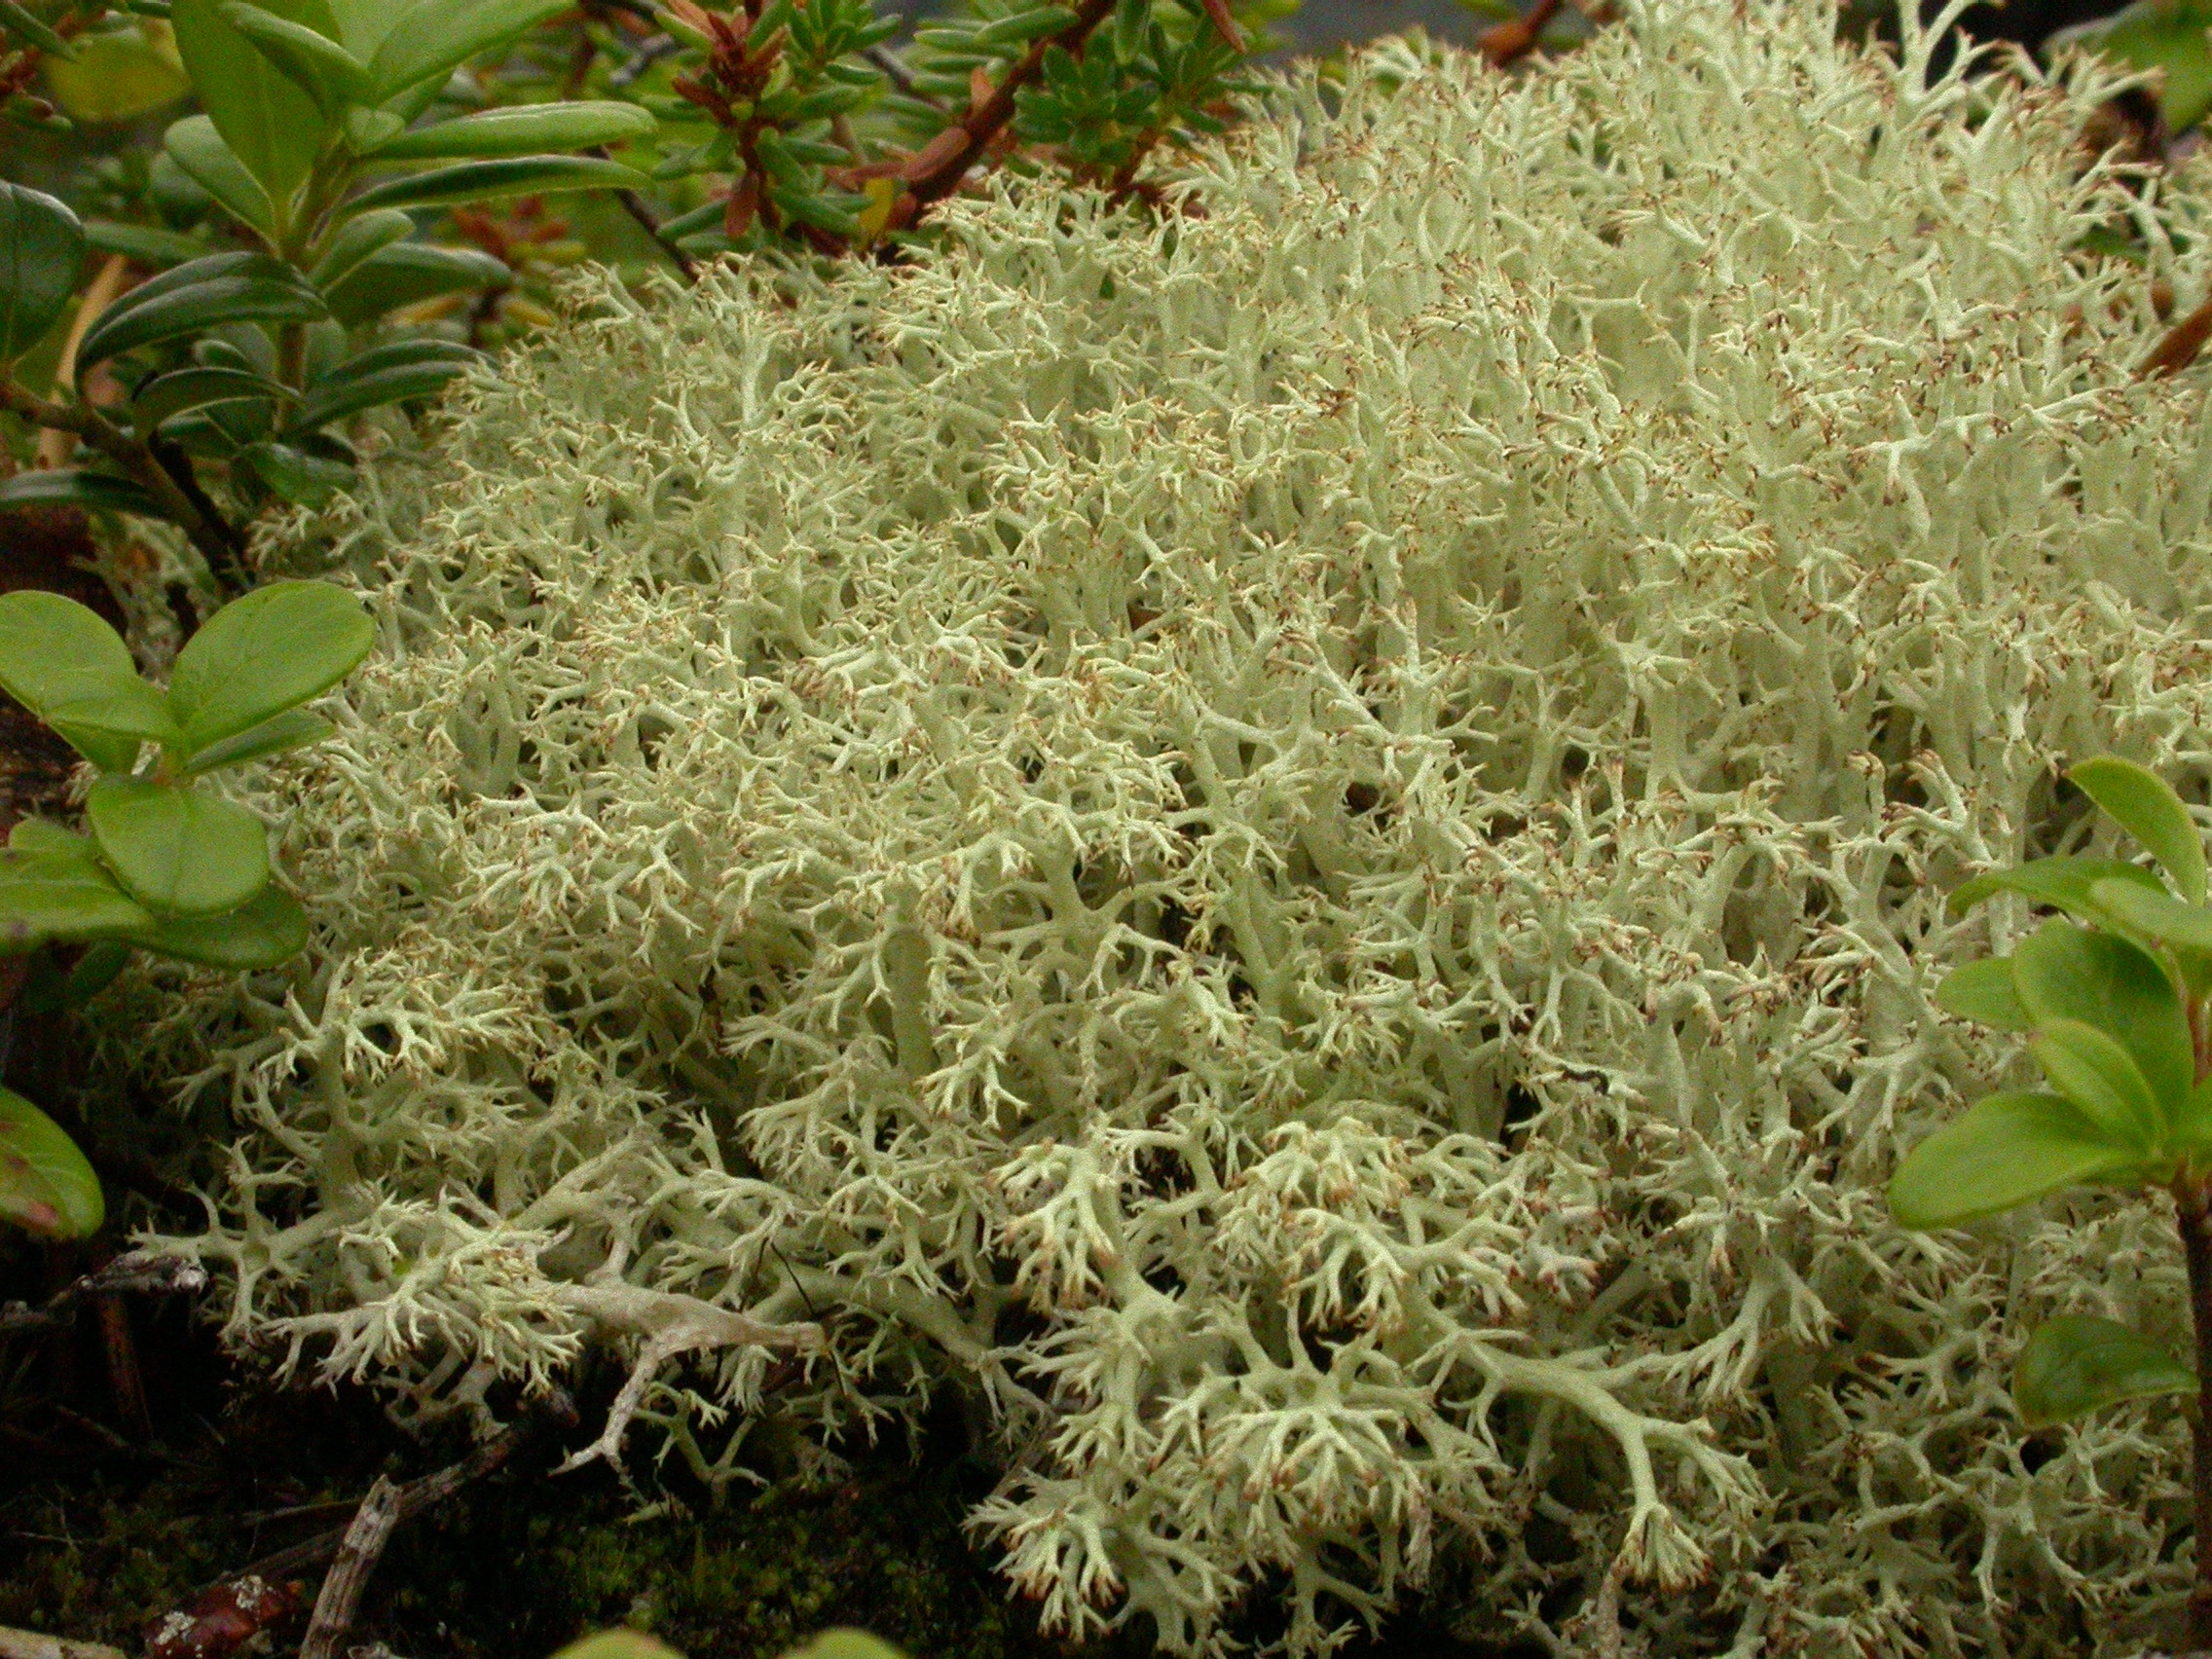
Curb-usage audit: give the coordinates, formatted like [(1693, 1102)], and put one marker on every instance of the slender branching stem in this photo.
[(217, 540)]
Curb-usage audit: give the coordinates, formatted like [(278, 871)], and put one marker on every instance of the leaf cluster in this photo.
[(2112, 995), (168, 865)]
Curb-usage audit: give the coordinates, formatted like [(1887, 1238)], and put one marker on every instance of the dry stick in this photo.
[(359, 1544), (136, 1271), (340, 1596)]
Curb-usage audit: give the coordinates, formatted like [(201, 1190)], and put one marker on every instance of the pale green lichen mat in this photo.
[(1300, 851)]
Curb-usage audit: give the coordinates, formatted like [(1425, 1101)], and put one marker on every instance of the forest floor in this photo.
[(105, 1529)]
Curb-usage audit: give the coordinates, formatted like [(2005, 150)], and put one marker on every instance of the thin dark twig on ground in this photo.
[(138, 1271), (357, 1546)]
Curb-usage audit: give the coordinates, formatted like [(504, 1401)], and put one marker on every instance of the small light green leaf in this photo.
[(177, 848), (384, 374), (53, 891), (194, 298), (41, 246), (432, 38), (368, 131), (2065, 971), (75, 486), (2157, 915), (2063, 884), (524, 129), (260, 655), (2145, 805), (618, 1644), (73, 670), (201, 156), (269, 929), (2076, 1363), (407, 273), (2101, 1078), (46, 1186), (2006, 1151), (846, 1643), (484, 181), (290, 730), (118, 75), (330, 75), (171, 394), (1982, 993), (271, 124), (357, 241)]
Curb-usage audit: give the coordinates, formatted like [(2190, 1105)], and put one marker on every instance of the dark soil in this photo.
[(101, 1533)]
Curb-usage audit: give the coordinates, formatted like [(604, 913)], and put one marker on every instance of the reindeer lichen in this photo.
[(1300, 850)]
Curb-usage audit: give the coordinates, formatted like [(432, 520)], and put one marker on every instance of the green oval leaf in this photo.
[(118, 75), (293, 475), (408, 272), (1982, 993), (201, 156), (46, 1186), (2006, 1151), (2064, 884), (2076, 1363), (432, 38), (384, 373), (2065, 971), (269, 929), (2101, 1078), (618, 1644), (273, 127), (2156, 915), (846, 1643), (290, 730), (177, 848), (524, 130), (484, 181), (69, 668), (169, 395), (2145, 805), (55, 891), (330, 75), (355, 241), (194, 298), (263, 654), (74, 487), (41, 246), (143, 244)]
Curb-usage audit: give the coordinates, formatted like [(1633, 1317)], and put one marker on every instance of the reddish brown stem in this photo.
[(1516, 37), (945, 160)]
